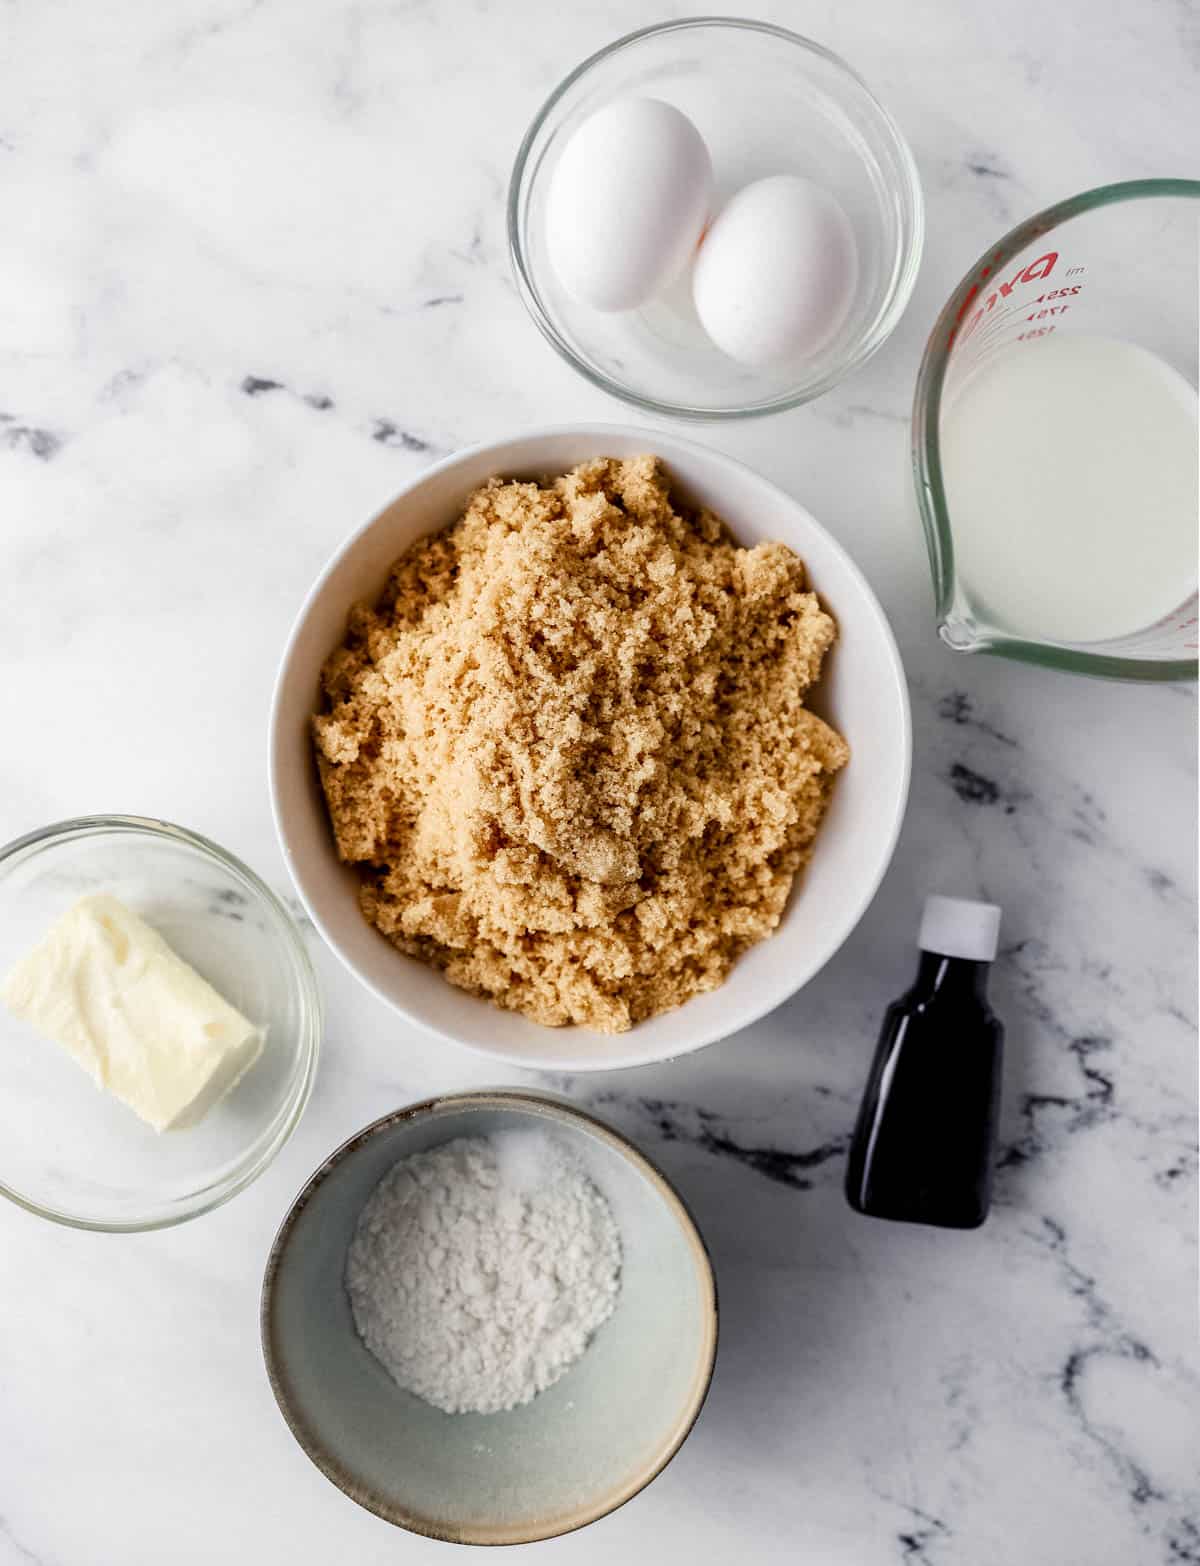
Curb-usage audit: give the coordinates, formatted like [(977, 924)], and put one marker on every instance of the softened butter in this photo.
[(144, 1024)]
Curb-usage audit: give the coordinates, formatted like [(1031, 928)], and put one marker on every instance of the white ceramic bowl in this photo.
[(863, 693)]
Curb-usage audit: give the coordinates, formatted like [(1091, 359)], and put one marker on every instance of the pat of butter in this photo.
[(143, 1023)]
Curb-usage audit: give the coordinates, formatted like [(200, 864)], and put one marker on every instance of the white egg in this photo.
[(627, 203), (776, 273)]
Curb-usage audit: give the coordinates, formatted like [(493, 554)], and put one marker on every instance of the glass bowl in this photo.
[(72, 1152), (767, 102)]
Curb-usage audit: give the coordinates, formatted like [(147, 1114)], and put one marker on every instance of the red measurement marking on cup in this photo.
[(1000, 316), (1162, 638), (1035, 271)]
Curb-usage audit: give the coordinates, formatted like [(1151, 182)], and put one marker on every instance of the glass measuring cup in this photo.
[(1117, 262)]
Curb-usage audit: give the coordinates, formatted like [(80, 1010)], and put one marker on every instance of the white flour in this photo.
[(479, 1270)]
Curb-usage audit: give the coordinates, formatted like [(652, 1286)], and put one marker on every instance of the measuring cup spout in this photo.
[(960, 636)]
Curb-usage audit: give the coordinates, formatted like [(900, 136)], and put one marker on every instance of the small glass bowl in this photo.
[(72, 1152), (766, 101)]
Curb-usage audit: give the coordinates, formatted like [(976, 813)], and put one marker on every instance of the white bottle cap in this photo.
[(957, 927)]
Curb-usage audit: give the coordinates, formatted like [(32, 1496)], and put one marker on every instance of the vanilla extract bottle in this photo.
[(924, 1144)]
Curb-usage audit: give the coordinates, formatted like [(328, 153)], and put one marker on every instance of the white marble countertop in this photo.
[(252, 278)]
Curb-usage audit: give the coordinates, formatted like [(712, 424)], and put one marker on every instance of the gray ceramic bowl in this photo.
[(577, 1451)]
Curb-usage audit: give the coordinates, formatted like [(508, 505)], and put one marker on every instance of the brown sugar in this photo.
[(568, 750)]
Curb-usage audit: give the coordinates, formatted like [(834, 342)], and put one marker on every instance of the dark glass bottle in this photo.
[(924, 1144)]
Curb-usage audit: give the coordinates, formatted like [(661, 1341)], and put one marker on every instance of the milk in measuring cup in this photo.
[(1070, 463)]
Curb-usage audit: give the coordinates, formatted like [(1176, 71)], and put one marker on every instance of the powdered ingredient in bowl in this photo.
[(568, 749), (479, 1270)]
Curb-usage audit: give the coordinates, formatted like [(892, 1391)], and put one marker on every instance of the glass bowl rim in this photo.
[(926, 446), (908, 252), (209, 1197)]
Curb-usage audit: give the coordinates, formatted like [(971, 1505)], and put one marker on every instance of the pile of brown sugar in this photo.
[(568, 749)]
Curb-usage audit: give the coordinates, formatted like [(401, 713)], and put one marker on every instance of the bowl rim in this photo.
[(650, 440), (209, 1197), (907, 192), (542, 1105)]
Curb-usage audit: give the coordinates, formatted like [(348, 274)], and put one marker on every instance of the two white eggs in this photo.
[(629, 208)]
